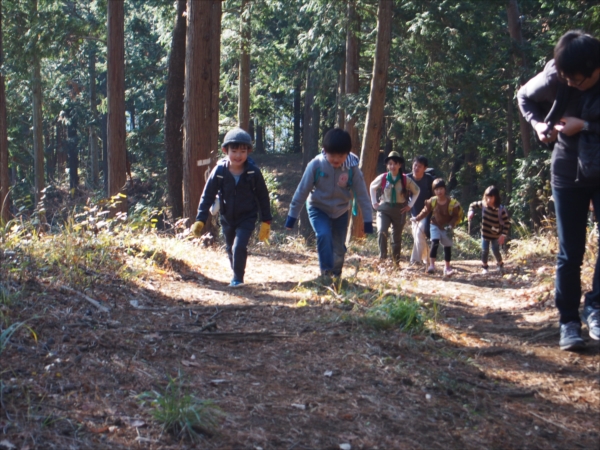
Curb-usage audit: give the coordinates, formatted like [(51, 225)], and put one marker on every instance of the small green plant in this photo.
[(6, 334), (396, 311), (181, 413)]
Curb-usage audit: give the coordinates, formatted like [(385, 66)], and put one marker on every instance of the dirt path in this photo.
[(291, 369)]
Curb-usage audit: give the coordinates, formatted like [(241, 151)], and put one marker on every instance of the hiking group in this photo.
[(332, 183)]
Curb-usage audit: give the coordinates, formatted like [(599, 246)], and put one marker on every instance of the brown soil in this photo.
[(291, 367)]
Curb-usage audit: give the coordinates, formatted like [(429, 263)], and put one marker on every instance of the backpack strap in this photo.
[(403, 181), (220, 173)]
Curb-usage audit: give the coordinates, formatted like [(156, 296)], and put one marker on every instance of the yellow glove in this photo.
[(197, 228), (265, 231)]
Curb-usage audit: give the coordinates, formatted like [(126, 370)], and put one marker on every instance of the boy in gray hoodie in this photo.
[(330, 182)]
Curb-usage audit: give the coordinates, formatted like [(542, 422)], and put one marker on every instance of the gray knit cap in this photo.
[(237, 136)]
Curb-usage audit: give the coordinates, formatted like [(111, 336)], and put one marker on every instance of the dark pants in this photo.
[(485, 251), (572, 206), (236, 244)]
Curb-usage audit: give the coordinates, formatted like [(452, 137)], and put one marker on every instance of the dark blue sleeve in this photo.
[(262, 195), (211, 189)]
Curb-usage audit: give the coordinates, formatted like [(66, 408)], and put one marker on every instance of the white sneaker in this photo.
[(430, 269), (448, 272), (484, 271)]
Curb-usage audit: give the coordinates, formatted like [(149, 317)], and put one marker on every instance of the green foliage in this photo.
[(6, 334), (181, 413), (397, 311)]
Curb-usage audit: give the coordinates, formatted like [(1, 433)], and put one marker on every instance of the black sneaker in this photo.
[(570, 336), (591, 317)]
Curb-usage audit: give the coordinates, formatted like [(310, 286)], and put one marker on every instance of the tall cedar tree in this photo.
[(174, 113), (201, 109), (4, 178), (117, 156), (93, 133), (352, 56), (38, 143), (244, 76), (369, 154)]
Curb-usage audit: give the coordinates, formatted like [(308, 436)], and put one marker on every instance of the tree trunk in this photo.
[(514, 29), (4, 172), (510, 143), (352, 81), (341, 91), (115, 86), (200, 119), (104, 138), (38, 141), (174, 113), (310, 141), (244, 76), (374, 120), (259, 145), (73, 154), (94, 169), (297, 147)]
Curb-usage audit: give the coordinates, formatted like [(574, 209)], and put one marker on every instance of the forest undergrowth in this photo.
[(117, 334)]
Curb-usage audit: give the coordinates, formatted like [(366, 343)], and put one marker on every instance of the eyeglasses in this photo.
[(575, 83)]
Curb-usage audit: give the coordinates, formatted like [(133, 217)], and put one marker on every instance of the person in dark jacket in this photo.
[(242, 193), (576, 63)]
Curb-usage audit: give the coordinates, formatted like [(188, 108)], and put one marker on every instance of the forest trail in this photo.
[(291, 363)]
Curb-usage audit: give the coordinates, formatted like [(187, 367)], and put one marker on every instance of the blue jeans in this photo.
[(236, 244), (485, 250), (571, 205), (331, 239)]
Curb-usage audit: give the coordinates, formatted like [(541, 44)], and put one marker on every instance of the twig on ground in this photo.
[(550, 421), (85, 297), (232, 336)]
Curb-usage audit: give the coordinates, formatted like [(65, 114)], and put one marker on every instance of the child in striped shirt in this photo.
[(495, 225)]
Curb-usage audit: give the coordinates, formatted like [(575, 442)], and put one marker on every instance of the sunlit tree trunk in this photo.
[(200, 120), (4, 173), (117, 153), (174, 113), (244, 76), (310, 138), (341, 91), (369, 154), (352, 56)]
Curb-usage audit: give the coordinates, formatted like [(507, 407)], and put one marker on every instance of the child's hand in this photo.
[(470, 215), (501, 239), (405, 209), (413, 219), (376, 206), (196, 229), (265, 232)]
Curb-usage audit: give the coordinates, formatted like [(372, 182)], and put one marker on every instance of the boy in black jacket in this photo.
[(242, 192)]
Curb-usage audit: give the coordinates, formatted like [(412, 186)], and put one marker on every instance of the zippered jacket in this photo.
[(239, 203)]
